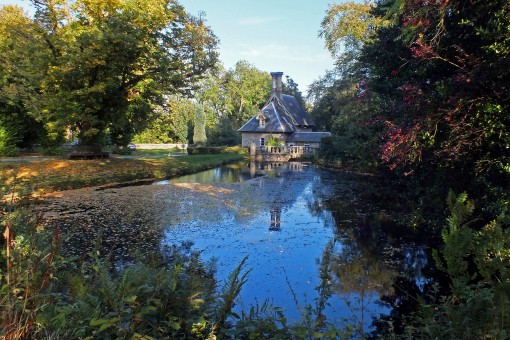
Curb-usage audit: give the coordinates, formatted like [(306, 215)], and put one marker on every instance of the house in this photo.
[(283, 120)]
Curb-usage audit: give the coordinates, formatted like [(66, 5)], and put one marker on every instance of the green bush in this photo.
[(162, 297), (29, 263), (273, 141), (8, 141), (52, 150), (223, 133), (122, 151), (477, 262), (211, 150)]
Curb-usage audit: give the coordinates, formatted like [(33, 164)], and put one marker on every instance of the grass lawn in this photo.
[(173, 151), (39, 177)]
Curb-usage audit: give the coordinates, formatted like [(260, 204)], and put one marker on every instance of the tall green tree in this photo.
[(182, 116), (230, 98), (290, 87), (340, 103), (346, 27), (112, 62), (247, 89), (199, 134), (22, 64)]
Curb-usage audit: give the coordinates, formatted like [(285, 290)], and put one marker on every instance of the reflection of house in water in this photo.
[(276, 213), (281, 179), (258, 169)]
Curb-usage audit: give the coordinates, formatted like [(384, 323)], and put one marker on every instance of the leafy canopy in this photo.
[(108, 64)]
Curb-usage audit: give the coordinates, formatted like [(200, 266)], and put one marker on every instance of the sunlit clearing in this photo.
[(25, 173), (209, 189), (60, 165)]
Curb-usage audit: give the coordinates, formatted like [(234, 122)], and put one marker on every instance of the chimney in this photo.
[(277, 82)]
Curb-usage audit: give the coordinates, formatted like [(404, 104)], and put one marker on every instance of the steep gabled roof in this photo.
[(275, 122), (283, 114), (297, 114)]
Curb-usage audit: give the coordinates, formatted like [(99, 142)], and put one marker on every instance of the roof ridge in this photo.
[(286, 111), (278, 117)]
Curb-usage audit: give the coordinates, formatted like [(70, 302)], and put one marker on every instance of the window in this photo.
[(262, 142), (306, 145), (262, 122)]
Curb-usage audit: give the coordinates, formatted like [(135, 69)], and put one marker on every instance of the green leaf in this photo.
[(131, 298), (97, 322), (175, 325)]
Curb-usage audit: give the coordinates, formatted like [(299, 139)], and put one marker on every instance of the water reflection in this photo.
[(314, 238), (275, 219)]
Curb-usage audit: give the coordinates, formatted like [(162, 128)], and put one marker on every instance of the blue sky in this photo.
[(273, 35)]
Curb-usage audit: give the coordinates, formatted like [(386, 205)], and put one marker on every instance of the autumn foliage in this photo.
[(449, 95), (428, 94)]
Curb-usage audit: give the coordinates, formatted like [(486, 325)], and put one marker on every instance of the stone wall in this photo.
[(248, 138)]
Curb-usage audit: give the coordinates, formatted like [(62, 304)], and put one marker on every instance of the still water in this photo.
[(301, 228)]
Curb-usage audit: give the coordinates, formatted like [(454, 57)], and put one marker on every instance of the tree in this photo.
[(211, 92), (199, 136), (159, 130), (112, 62), (434, 72), (346, 27), (340, 99), (446, 85), (223, 133), (22, 65), (247, 90), (231, 97), (290, 87)]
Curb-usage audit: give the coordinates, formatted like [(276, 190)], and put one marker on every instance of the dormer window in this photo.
[(262, 120)]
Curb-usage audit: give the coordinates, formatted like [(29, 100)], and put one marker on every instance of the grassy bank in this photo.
[(59, 174)]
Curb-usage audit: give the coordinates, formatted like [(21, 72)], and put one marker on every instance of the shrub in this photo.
[(273, 141), (8, 142), (477, 265), (31, 261), (122, 150), (223, 133), (211, 150)]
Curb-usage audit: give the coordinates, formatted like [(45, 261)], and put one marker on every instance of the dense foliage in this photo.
[(420, 92), (222, 102), (112, 72), (432, 76), (421, 89), (100, 68)]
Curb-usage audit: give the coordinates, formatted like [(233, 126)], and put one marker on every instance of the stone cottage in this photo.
[(283, 119)]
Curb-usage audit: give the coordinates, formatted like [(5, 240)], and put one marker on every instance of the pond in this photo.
[(301, 228), (315, 240)]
